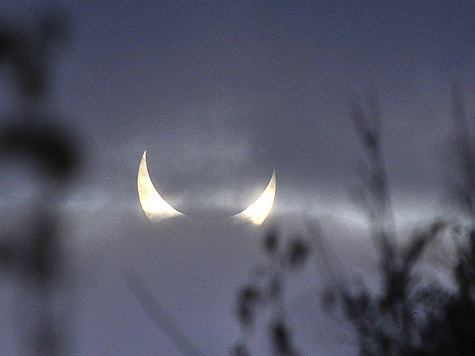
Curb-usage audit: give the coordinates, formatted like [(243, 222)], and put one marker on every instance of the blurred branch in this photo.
[(330, 258), (267, 294), (406, 317), (464, 149), (368, 126), (26, 49), (159, 316)]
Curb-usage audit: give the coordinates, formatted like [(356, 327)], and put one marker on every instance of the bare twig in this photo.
[(464, 148), (159, 316)]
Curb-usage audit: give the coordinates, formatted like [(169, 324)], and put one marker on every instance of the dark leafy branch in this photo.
[(265, 295), (407, 315)]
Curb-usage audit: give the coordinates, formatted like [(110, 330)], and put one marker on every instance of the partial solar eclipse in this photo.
[(258, 211), (156, 208)]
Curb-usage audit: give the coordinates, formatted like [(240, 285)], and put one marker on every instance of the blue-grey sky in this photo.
[(220, 93)]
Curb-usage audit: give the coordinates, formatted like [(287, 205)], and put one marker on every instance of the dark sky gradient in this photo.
[(222, 92)]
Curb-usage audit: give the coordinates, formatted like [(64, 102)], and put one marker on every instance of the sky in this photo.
[(219, 94)]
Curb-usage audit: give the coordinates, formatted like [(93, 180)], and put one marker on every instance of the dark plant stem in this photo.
[(159, 316)]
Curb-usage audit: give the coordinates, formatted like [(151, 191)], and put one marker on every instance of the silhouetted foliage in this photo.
[(248, 299), (271, 242), (266, 292), (239, 349), (280, 338), (297, 253), (407, 316)]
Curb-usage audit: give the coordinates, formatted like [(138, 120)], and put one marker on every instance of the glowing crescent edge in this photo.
[(258, 211), (154, 206)]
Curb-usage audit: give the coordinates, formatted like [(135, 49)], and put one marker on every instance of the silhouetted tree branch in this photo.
[(408, 317), (159, 316), (266, 292)]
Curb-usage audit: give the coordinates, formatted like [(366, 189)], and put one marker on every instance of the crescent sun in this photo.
[(156, 208), (258, 211)]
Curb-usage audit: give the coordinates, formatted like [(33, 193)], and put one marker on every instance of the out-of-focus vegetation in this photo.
[(407, 315), (265, 294), (30, 136)]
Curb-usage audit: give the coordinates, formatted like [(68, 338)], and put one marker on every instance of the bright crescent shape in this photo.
[(154, 206), (258, 211)]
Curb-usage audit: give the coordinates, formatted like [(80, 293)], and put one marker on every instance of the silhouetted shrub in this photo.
[(407, 316)]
